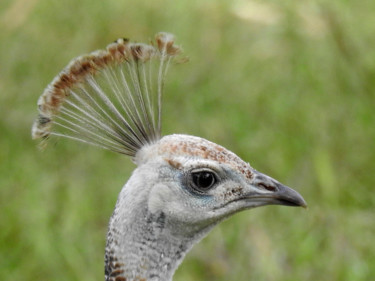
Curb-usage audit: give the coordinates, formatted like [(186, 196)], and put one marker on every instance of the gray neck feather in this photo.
[(140, 245)]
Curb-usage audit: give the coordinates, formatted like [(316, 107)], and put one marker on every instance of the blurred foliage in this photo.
[(288, 85)]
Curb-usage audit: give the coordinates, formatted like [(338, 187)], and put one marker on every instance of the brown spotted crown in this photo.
[(176, 149), (191, 146)]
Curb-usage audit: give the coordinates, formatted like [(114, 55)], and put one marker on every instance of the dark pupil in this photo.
[(203, 179)]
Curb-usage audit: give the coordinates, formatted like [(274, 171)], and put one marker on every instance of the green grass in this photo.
[(287, 85)]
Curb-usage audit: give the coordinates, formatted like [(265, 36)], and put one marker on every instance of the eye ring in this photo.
[(203, 180)]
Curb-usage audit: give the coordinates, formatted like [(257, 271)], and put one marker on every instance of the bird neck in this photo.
[(143, 254), (140, 245)]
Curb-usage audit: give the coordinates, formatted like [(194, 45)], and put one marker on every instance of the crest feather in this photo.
[(109, 98)]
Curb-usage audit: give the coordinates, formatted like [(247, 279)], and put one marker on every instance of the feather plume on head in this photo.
[(110, 98)]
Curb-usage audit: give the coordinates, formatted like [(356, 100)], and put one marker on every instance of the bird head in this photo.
[(183, 185), (200, 183)]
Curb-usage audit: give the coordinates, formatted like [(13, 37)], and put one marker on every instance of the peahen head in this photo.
[(182, 186), (199, 183)]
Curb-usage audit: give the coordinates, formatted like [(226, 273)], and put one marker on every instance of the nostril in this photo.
[(267, 187)]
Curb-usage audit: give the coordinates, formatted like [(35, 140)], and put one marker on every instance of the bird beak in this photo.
[(275, 193), (287, 197)]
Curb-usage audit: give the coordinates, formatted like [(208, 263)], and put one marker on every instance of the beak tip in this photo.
[(305, 206), (300, 201), (303, 203), (292, 196)]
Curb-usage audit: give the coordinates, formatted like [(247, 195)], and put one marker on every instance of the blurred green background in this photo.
[(287, 85)]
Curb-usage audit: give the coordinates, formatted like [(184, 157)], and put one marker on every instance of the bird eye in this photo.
[(203, 180)]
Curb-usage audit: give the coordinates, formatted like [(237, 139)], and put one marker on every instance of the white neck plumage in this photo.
[(140, 245), (143, 252)]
